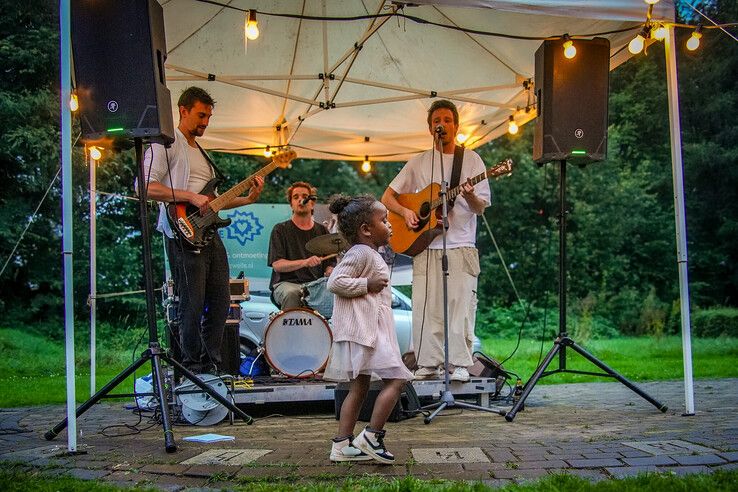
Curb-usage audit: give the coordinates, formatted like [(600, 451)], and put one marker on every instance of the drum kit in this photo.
[(297, 341)]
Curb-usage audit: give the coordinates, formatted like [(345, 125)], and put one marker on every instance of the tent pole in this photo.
[(66, 157), (93, 272), (677, 170)]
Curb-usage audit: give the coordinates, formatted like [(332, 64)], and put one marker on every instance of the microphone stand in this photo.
[(447, 398)]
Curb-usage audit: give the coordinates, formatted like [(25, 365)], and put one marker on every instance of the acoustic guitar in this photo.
[(198, 230), (425, 204)]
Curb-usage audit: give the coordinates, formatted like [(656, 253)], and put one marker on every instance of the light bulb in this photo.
[(268, 151), (570, 51), (461, 138), (651, 2), (73, 102), (636, 44), (659, 33), (251, 29), (366, 166), (95, 153), (512, 127), (694, 41)]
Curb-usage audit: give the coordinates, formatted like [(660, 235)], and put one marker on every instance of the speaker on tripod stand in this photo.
[(122, 95), (571, 126)]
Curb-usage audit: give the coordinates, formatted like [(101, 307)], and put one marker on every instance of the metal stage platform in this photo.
[(261, 393)]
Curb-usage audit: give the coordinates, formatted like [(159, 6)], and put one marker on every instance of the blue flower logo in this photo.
[(245, 226)]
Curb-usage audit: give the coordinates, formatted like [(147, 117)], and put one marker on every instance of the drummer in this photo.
[(292, 264)]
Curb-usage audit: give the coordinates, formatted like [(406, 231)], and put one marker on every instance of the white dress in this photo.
[(348, 357)]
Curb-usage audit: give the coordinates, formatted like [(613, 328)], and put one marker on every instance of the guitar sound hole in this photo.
[(424, 211)]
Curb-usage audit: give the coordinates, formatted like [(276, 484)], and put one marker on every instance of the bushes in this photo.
[(715, 322), (583, 323)]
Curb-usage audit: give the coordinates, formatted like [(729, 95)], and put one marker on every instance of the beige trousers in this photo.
[(428, 340)]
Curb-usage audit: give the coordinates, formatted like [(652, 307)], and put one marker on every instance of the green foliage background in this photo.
[(622, 257)]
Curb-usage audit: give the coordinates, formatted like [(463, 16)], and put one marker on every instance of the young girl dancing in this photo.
[(364, 338)]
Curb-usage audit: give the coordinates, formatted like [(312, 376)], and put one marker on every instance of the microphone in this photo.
[(308, 198), (439, 130)]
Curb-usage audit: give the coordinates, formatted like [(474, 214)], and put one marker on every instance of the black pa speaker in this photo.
[(571, 106), (119, 51)]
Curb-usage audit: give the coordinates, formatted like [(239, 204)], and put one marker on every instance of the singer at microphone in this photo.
[(308, 198)]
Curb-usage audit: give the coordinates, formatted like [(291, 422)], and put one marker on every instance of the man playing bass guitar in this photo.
[(201, 275), (463, 260)]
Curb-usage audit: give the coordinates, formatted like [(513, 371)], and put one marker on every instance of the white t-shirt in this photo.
[(200, 171), (419, 173), (172, 168)]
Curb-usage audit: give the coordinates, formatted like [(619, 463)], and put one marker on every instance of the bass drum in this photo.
[(297, 343)]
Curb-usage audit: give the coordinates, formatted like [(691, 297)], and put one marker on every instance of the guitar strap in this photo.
[(456, 171), (218, 174)]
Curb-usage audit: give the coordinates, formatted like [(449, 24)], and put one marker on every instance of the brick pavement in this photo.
[(593, 430)]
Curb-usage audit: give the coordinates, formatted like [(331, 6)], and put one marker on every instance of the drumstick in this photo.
[(323, 258)]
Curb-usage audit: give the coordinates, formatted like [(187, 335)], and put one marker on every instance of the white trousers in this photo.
[(428, 339)]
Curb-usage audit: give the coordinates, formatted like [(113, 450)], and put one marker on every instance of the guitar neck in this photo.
[(453, 192), (225, 198)]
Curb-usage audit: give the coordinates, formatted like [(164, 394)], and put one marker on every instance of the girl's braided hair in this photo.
[(352, 212)]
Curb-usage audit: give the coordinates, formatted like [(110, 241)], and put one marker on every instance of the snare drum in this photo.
[(297, 343), (316, 295)]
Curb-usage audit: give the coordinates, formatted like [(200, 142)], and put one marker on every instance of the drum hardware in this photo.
[(327, 244)]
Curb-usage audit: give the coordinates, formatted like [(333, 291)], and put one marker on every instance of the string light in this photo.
[(512, 127), (461, 138), (366, 166), (694, 40), (251, 28), (268, 151), (636, 44), (95, 153), (73, 102), (570, 51), (659, 32)]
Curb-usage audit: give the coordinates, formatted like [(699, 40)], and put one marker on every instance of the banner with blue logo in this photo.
[(247, 238)]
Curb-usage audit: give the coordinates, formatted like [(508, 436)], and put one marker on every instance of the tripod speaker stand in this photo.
[(563, 340), (154, 353)]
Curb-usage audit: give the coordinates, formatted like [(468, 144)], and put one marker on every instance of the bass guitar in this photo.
[(198, 230), (425, 204)]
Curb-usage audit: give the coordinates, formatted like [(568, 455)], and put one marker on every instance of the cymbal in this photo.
[(327, 244)]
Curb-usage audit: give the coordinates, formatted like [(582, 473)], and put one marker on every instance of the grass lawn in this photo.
[(16, 479), (637, 358), (32, 368)]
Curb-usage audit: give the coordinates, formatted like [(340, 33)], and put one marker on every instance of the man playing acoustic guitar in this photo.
[(201, 275), (463, 259)]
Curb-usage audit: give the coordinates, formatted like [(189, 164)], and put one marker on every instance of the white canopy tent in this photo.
[(353, 88), (349, 89)]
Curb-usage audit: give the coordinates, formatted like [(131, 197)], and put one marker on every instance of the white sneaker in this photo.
[(345, 451), (428, 373), (372, 443), (460, 374)]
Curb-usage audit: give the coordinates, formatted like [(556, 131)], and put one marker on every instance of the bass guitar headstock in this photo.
[(283, 159)]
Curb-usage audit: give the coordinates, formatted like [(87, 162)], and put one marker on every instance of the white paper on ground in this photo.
[(209, 438)]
